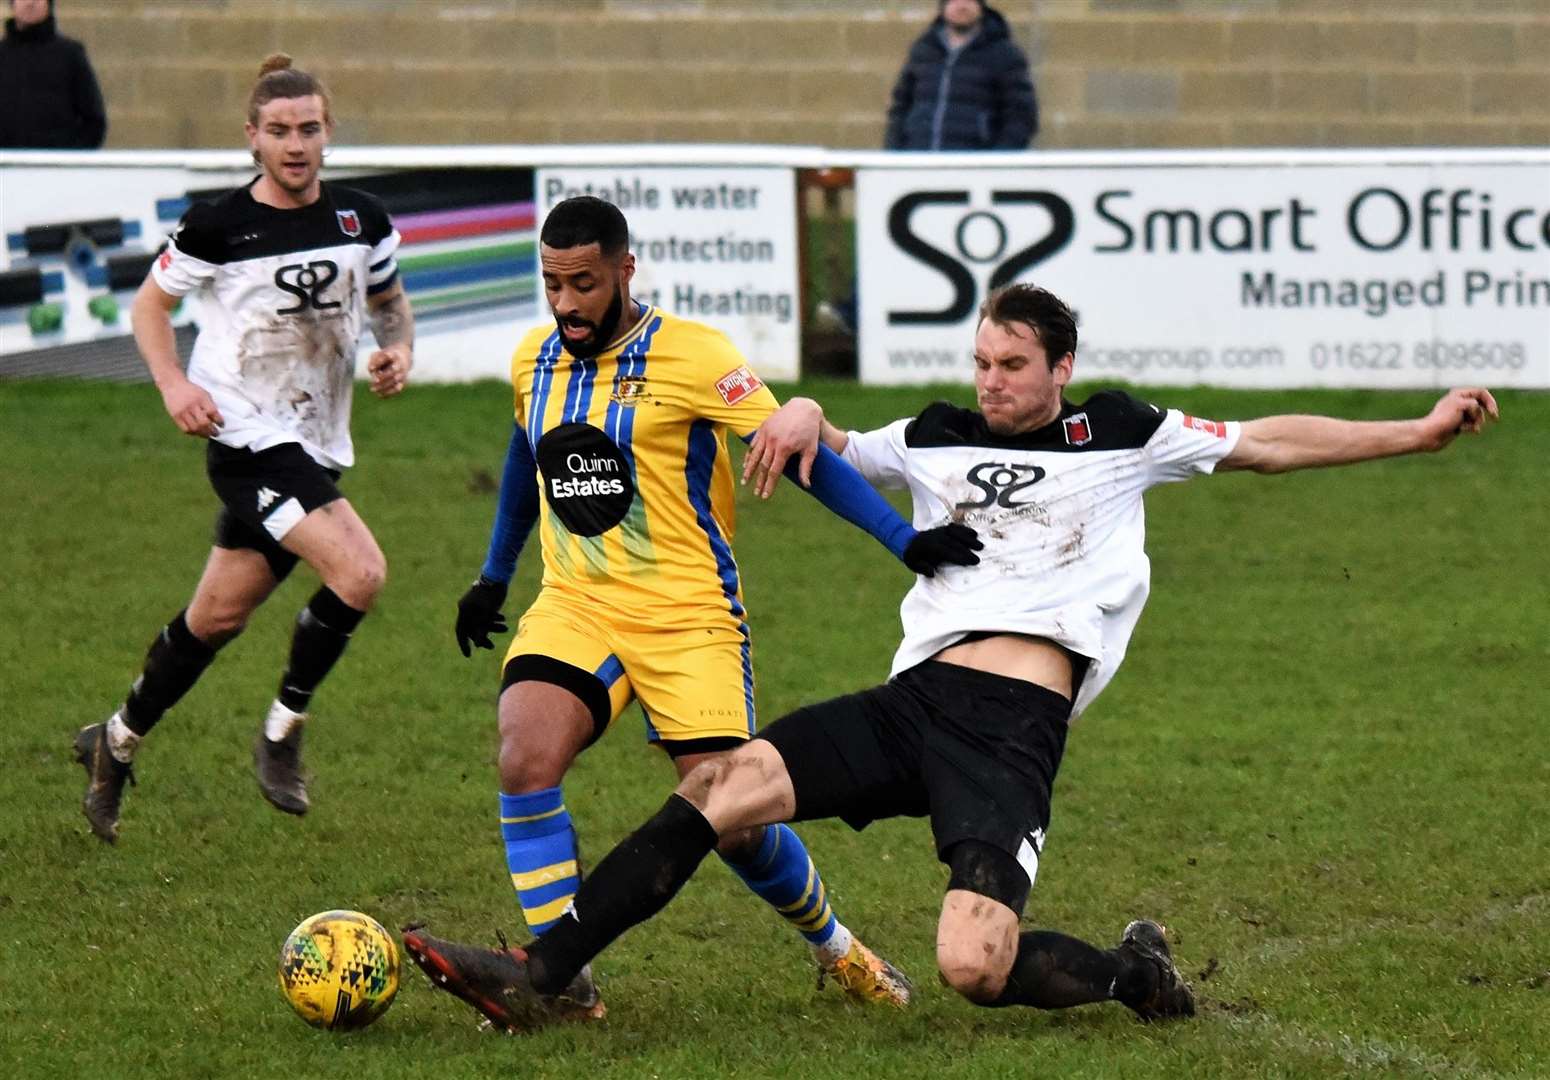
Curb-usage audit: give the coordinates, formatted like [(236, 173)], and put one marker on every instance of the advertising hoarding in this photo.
[(717, 244), (80, 240), (1365, 275)]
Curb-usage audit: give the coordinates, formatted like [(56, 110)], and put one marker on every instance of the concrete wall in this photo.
[(1110, 73)]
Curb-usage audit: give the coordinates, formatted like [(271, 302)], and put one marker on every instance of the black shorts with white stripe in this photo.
[(974, 751), (264, 494)]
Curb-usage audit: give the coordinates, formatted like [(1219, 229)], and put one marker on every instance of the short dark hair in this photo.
[(583, 220), (1052, 323)]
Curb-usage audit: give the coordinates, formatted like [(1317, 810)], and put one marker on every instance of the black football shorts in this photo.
[(977, 752), (264, 494)]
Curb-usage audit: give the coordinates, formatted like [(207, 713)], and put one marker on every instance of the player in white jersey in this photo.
[(287, 269), (997, 658)]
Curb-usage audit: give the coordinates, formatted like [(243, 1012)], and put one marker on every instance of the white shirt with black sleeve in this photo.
[(1059, 511), (282, 302)]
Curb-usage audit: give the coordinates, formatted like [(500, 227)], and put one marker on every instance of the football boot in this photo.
[(865, 976), (105, 776), (1148, 942), (278, 765), (493, 981)]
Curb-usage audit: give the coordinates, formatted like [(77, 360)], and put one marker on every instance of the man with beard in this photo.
[(621, 413), (998, 658), (286, 268)]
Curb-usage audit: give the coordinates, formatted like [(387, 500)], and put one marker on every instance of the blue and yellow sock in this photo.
[(541, 854), (782, 874)]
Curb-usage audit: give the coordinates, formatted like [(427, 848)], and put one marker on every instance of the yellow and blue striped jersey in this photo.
[(636, 514)]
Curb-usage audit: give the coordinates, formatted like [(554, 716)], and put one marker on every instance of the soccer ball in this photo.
[(339, 970)]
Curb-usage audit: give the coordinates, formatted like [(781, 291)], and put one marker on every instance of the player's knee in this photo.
[(696, 787), (528, 761), (973, 968), (223, 635), (364, 581), (216, 625)]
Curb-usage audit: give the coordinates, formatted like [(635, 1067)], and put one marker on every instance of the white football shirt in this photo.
[(1059, 511), (282, 300)]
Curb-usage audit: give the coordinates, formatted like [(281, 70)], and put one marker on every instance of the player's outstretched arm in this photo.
[(800, 426), (479, 609), (1283, 443), (392, 324), (794, 429), (189, 405)]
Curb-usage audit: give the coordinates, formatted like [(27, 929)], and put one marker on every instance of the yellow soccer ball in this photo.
[(339, 970)]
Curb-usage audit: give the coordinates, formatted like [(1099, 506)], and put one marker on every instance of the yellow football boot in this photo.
[(865, 976)]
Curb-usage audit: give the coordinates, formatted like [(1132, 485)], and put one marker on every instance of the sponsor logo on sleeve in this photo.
[(1078, 431), (1215, 428), (166, 258), (736, 385), (349, 222)]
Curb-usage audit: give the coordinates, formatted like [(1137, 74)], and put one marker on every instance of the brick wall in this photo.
[(1110, 73)]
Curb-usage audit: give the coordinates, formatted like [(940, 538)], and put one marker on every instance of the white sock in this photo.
[(121, 741), (833, 951), (281, 722)]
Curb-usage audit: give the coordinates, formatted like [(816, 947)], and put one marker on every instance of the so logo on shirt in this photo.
[(999, 482), (306, 282)]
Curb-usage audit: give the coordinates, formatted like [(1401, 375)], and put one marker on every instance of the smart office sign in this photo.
[(713, 243), (1371, 276)]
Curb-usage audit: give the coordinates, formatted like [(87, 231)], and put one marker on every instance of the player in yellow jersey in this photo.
[(619, 456)]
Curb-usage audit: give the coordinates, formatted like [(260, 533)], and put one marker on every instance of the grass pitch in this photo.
[(1323, 767)]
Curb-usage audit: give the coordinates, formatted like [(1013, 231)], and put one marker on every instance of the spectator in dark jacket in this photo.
[(50, 94), (965, 86)]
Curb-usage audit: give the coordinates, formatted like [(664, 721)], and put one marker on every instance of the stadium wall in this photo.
[(1110, 73)]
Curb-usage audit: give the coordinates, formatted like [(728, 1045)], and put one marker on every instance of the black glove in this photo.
[(930, 550), (479, 614)]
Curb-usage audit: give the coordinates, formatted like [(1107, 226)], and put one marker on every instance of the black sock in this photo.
[(1055, 971), (322, 631), (633, 882), (173, 664)]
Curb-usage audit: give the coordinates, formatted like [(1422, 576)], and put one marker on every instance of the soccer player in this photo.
[(621, 414), (287, 268), (997, 659)]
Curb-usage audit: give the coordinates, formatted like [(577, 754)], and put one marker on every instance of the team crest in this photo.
[(630, 390), (736, 385), (349, 222), (1078, 431)]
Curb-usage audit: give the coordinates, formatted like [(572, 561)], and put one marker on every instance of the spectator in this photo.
[(50, 91), (965, 86)]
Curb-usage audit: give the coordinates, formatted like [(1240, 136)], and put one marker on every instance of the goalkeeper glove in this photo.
[(953, 544), (479, 614)]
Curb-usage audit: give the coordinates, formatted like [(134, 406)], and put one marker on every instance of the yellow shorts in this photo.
[(691, 684)]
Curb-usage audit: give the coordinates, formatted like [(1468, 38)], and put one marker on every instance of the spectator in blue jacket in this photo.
[(965, 86), (50, 92)]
